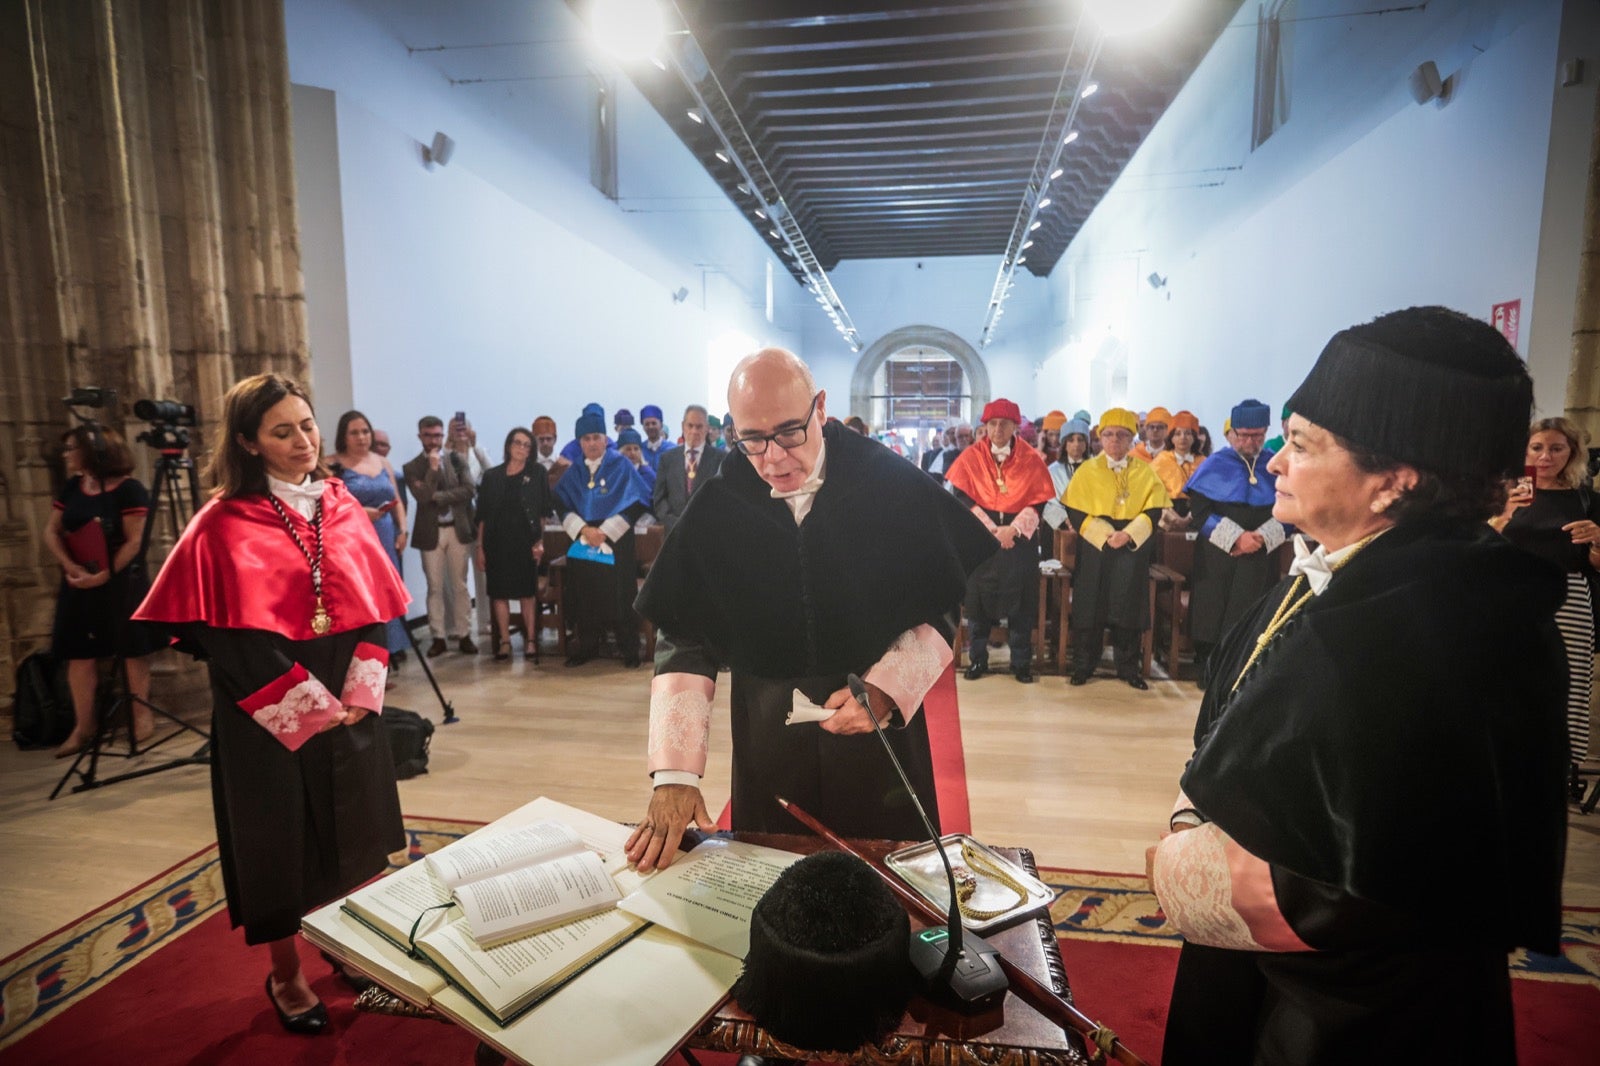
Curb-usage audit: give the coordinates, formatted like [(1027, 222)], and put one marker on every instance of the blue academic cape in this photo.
[(617, 486), (1225, 478)]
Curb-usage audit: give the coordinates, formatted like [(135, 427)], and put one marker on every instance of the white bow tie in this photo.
[(1118, 464), (310, 489), (1001, 454), (808, 489), (1313, 564)]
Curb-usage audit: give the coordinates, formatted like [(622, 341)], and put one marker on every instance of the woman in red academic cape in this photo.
[(280, 582)]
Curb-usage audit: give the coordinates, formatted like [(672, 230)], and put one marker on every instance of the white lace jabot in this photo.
[(302, 497)]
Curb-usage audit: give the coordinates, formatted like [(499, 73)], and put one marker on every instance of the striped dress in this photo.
[(1537, 528)]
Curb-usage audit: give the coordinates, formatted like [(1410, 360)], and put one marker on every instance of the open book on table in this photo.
[(582, 1017)]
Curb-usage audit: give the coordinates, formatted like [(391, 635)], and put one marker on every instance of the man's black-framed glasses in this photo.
[(787, 437)]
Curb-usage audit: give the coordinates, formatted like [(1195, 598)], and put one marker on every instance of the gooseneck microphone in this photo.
[(951, 964)]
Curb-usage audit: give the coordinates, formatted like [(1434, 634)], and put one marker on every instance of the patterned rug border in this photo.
[(84, 955)]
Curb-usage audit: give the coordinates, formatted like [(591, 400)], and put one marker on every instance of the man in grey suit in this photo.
[(678, 471), (444, 533)]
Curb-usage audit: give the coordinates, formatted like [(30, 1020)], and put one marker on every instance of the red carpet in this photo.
[(949, 761), (197, 998)]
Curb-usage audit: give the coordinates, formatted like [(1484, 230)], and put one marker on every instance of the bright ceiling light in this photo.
[(1021, 259), (695, 115), (1035, 226), (1117, 17), (1056, 173), (722, 156), (1090, 89), (1026, 245), (1044, 203), (630, 30), (1071, 136), (761, 214)]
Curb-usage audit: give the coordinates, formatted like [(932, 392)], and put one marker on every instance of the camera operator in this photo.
[(95, 531)]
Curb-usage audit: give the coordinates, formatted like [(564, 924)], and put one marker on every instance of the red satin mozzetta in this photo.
[(1026, 479), (235, 567)]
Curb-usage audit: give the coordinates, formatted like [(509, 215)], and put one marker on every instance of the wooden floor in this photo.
[(1084, 776)]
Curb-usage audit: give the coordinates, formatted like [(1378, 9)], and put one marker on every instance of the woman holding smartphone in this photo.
[(372, 481), (1555, 515)]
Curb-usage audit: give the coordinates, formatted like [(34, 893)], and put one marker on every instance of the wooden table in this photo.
[(929, 1034)]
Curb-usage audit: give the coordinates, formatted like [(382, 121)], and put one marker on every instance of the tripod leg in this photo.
[(450, 716)]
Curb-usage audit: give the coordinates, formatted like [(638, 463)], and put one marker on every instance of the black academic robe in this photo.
[(1109, 585), (786, 607), (295, 828), (1225, 586), (1397, 756)]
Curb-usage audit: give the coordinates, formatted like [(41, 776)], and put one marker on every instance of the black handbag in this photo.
[(409, 737)]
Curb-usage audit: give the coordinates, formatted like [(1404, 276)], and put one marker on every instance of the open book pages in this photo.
[(709, 894), (492, 851)]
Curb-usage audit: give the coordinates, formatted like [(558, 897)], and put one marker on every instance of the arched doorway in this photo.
[(917, 379)]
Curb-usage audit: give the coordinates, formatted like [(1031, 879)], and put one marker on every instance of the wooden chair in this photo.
[(1055, 599), (1170, 578), (647, 546), (552, 611)]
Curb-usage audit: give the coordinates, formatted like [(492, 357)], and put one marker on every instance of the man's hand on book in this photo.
[(672, 807)]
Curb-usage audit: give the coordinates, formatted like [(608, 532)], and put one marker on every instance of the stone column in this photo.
[(148, 241)]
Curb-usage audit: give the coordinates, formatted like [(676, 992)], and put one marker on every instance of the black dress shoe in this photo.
[(1135, 681), (467, 647), (306, 1023), (1078, 679), (1024, 675), (577, 660), (631, 664), (977, 670), (437, 648)]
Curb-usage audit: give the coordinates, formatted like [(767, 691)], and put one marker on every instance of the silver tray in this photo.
[(919, 867)]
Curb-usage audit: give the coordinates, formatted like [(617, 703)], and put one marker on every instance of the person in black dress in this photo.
[(280, 582), (514, 499), (1556, 516), (100, 513)]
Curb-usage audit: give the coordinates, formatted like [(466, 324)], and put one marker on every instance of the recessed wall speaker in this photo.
[(1425, 83), (440, 151)]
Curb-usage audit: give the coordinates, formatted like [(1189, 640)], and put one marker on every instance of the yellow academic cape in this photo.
[(1174, 473)]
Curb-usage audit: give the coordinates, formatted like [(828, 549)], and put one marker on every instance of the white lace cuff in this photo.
[(1273, 534), (680, 722), (1226, 534), (908, 670)]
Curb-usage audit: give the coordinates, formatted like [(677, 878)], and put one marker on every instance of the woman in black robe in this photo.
[(280, 582), (1374, 814)]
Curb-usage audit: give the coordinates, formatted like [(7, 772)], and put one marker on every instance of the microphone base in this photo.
[(971, 981)]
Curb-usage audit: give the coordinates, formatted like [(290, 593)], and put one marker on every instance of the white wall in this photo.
[(1362, 203), (504, 284)]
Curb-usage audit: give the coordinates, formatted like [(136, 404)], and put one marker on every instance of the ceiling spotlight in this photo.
[(1156, 280), (1070, 137), (1035, 226), (1021, 259), (721, 155), (1117, 17), (1044, 203), (761, 214), (1090, 89), (695, 115), (742, 187), (661, 64), (631, 30), (1056, 173), (775, 234), (1026, 245)]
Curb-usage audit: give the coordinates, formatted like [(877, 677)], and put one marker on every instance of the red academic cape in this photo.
[(236, 567), (1027, 481)]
